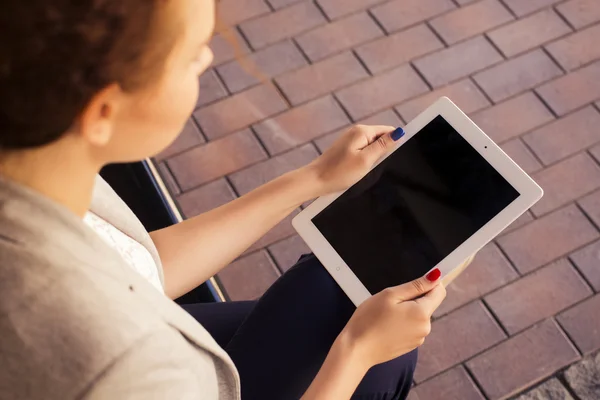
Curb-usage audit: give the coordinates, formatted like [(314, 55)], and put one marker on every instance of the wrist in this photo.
[(308, 182), (341, 372), (352, 351)]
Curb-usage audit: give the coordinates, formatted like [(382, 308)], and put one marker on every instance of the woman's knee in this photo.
[(309, 276), (306, 292)]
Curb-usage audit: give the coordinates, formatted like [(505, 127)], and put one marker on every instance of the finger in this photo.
[(373, 132), (418, 287), (432, 300), (364, 135), (382, 144)]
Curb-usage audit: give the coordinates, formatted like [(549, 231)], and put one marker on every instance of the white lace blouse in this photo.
[(134, 254)]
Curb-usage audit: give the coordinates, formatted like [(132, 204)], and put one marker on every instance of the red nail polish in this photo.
[(433, 275)]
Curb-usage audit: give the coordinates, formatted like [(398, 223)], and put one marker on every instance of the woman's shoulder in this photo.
[(70, 296), (62, 326)]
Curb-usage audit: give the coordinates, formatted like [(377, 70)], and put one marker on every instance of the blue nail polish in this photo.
[(398, 134)]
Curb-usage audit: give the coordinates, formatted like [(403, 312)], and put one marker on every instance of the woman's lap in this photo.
[(221, 320), (282, 339)]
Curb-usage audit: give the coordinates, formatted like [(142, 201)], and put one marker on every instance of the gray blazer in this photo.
[(76, 322)]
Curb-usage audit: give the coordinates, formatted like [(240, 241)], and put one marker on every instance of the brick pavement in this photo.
[(527, 71)]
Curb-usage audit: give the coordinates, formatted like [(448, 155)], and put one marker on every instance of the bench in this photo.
[(143, 190)]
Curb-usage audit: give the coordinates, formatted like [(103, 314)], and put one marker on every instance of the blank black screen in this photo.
[(414, 208)]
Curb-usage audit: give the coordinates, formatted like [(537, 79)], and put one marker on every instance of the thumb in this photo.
[(418, 287), (383, 144)]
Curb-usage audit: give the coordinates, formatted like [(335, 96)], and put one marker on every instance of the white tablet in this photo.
[(444, 192)]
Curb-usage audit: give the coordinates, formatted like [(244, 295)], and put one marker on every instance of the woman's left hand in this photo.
[(352, 156)]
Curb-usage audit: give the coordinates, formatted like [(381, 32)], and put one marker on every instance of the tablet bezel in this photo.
[(530, 192)]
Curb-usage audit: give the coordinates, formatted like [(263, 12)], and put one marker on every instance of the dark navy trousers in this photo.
[(280, 341)]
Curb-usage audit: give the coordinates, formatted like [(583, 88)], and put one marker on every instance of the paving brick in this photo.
[(489, 271), (523, 360), (521, 155), (338, 36), (463, 93), (216, 159), (227, 45), (284, 23), (387, 117), (582, 324), (471, 20), (412, 12), (566, 181), (530, 32), (277, 4), (444, 348), (288, 251), (301, 124), (580, 13), (517, 75), (595, 152), (521, 7), (537, 296), (261, 173), (549, 390), (577, 49), (168, 179), (452, 385), (266, 63), (587, 261), (188, 138), (281, 231), (458, 61), (338, 8), (591, 206), (248, 277), (399, 48), (523, 220), (547, 239), (321, 78), (380, 92), (211, 88), (239, 111), (572, 91), (583, 378), (513, 117), (205, 198), (232, 12), (565, 137)]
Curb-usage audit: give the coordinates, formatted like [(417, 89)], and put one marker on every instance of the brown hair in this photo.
[(55, 55)]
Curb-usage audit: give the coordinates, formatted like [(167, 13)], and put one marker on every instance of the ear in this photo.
[(97, 121)]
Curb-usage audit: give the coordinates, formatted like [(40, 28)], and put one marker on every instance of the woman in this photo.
[(92, 82)]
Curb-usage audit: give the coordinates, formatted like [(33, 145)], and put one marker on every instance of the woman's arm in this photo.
[(198, 248), (340, 374)]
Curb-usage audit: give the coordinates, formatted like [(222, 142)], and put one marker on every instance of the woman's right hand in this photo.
[(384, 327), (394, 321)]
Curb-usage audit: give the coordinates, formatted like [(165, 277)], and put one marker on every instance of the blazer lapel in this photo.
[(108, 205)]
